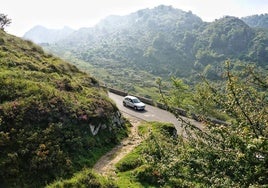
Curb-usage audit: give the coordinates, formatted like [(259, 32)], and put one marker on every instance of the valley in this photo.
[(60, 126), (131, 52)]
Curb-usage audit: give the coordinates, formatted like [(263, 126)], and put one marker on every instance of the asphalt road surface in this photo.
[(151, 113)]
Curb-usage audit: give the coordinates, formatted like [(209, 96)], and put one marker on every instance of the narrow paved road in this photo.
[(106, 164), (151, 113)]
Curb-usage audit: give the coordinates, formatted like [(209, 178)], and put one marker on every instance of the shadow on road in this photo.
[(139, 111)]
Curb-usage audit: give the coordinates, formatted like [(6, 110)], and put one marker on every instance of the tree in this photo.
[(233, 154), (4, 21)]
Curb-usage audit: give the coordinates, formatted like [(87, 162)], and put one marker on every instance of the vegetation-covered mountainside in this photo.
[(130, 52), (54, 119), (258, 21), (40, 34)]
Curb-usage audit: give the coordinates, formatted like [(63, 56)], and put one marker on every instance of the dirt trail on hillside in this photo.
[(106, 164)]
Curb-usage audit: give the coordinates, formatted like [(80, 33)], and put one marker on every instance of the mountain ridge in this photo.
[(260, 20), (123, 51), (40, 34)]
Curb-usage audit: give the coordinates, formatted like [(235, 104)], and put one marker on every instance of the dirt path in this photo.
[(106, 164)]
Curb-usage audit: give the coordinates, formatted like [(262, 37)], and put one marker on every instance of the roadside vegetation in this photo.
[(222, 155), (217, 155), (233, 155), (50, 110)]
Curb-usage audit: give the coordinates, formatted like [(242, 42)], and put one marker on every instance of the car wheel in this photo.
[(135, 107)]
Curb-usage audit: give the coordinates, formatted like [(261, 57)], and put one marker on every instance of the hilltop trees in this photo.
[(4, 21), (258, 21)]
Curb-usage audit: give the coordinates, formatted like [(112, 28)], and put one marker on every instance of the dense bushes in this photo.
[(212, 155)]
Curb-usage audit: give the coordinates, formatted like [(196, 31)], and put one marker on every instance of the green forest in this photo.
[(131, 52), (57, 120)]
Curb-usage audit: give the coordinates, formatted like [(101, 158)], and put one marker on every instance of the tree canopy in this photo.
[(4, 21)]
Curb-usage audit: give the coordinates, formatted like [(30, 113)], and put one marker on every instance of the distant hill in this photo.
[(40, 34), (257, 21), (132, 51), (54, 119)]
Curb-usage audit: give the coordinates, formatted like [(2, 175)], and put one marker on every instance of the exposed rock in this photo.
[(116, 121)]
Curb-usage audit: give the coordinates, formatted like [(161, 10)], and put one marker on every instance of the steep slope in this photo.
[(40, 34), (53, 117)]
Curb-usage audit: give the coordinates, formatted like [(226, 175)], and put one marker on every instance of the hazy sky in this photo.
[(56, 14)]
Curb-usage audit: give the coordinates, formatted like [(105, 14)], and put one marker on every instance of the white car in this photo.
[(133, 102)]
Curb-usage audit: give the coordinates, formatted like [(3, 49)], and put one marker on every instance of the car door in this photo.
[(130, 103)]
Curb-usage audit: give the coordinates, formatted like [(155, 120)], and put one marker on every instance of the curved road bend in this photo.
[(151, 113)]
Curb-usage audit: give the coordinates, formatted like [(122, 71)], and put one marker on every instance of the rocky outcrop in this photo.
[(115, 121)]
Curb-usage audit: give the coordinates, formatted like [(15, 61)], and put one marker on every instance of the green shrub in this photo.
[(85, 178), (129, 162), (147, 175)]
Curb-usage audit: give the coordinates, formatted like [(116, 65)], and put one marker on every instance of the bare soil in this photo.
[(106, 164)]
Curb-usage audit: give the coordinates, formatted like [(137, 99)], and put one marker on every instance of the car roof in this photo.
[(131, 97)]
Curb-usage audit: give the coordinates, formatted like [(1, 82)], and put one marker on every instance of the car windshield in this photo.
[(136, 101)]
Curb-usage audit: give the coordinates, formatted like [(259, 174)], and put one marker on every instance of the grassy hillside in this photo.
[(49, 114)]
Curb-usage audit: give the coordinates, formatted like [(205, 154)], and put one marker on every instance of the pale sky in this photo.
[(55, 14)]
